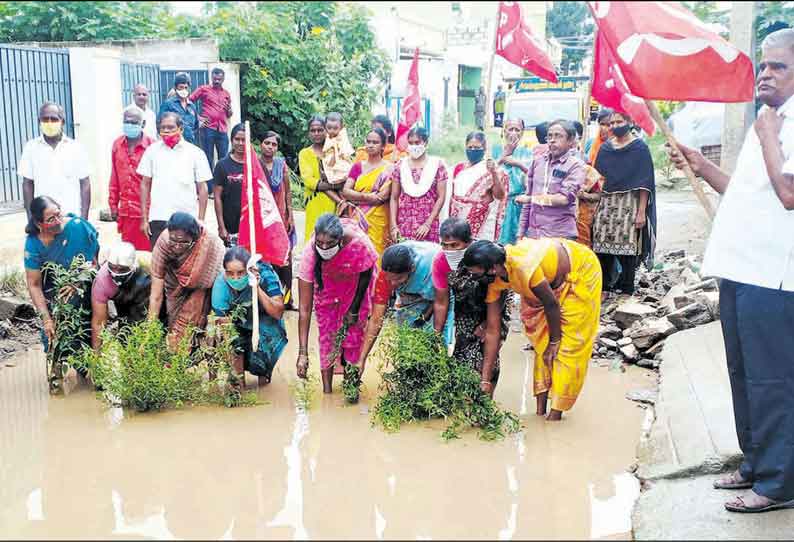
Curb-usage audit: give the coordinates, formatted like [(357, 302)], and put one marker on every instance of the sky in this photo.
[(189, 8)]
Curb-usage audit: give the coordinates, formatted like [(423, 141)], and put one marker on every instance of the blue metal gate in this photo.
[(197, 78), (146, 74), (396, 102), (28, 77)]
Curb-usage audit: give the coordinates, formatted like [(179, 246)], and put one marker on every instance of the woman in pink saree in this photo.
[(336, 278), (478, 190)]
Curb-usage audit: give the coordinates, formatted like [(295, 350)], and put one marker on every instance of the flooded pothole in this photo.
[(70, 467)]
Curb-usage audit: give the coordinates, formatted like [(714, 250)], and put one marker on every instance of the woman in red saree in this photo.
[(186, 260), (478, 190)]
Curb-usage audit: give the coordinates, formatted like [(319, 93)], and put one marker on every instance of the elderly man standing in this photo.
[(55, 165), (180, 104), (172, 171), (124, 193), (216, 108), (140, 95), (751, 250)]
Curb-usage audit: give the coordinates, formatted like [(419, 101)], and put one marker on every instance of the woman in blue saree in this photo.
[(515, 159), (232, 289), (57, 240)]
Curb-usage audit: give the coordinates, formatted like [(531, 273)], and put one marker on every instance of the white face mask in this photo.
[(416, 151), (454, 257), (182, 93), (328, 253)]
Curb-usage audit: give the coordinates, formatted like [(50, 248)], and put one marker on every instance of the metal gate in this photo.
[(28, 77), (146, 74)]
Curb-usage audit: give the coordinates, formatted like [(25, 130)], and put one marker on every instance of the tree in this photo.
[(572, 22), (771, 16)]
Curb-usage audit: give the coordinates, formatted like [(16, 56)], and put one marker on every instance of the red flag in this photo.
[(516, 43), (609, 88), (410, 112), (664, 52), (271, 235)]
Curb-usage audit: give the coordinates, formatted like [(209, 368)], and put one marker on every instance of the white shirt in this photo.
[(55, 172), (150, 128), (175, 173), (752, 240)]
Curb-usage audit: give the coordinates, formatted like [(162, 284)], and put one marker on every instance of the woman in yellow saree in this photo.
[(319, 197), (367, 191), (560, 286)]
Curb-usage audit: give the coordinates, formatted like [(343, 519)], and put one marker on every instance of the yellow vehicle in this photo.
[(535, 101)]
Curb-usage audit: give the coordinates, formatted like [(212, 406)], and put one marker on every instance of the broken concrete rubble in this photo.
[(669, 298)]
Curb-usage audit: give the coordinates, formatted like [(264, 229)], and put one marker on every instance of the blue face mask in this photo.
[(237, 284), (475, 156), (132, 131)]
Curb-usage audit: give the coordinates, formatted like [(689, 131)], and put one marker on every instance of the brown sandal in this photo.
[(739, 506), (733, 481)]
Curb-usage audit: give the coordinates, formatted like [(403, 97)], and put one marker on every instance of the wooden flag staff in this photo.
[(252, 230)]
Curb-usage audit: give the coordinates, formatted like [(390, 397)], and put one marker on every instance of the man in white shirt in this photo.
[(751, 249), (55, 165), (172, 171), (140, 95)]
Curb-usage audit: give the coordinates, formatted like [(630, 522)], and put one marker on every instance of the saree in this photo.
[(510, 211), (586, 210), (626, 171), (188, 279), (272, 333), (418, 195), (417, 294), (376, 216), (579, 296), (316, 203), (340, 279), (470, 312), (472, 198)]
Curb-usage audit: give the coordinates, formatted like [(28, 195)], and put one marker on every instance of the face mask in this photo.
[(475, 156), (51, 129), (120, 278), (328, 253), (52, 229), (132, 131), (182, 93), (237, 284), (454, 257), (621, 131), (416, 151), (171, 140)]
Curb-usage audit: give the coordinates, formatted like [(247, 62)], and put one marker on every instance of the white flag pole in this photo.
[(252, 233)]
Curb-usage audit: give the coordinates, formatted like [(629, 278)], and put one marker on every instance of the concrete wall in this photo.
[(96, 102), (232, 84), (431, 85)]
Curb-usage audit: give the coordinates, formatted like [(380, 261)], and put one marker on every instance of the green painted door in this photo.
[(469, 82)]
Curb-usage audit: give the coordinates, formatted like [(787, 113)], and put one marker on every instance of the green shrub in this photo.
[(12, 281), (422, 381)]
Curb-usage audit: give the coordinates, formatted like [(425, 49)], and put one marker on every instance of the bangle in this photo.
[(555, 342), (486, 382), (303, 352)]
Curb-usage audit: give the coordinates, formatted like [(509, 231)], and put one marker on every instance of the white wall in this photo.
[(232, 84), (97, 110), (431, 85)]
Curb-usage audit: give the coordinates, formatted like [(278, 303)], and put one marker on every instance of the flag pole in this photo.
[(252, 233), (488, 101), (690, 175), (589, 94)]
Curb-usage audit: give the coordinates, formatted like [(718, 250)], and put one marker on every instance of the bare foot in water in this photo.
[(542, 399), (554, 416)]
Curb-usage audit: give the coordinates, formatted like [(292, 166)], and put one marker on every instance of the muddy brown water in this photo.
[(71, 467)]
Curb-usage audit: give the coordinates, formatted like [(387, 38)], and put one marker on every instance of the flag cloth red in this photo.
[(666, 53), (516, 43), (272, 241), (411, 106), (609, 88)]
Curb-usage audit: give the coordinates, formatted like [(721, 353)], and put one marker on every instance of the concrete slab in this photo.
[(690, 509), (694, 430)]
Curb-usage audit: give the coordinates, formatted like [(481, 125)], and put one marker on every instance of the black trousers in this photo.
[(758, 330), (624, 280), (157, 227)]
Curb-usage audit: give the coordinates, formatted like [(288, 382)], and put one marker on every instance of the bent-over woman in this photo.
[(185, 262), (337, 273), (450, 279), (57, 240), (232, 289), (559, 282)]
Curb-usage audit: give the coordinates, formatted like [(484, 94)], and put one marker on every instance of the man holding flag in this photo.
[(751, 249)]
